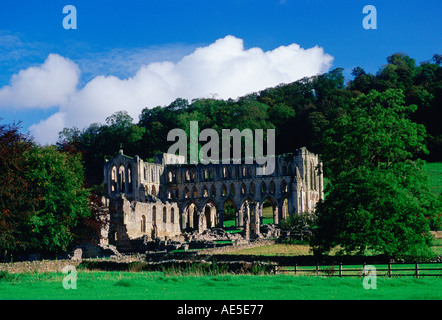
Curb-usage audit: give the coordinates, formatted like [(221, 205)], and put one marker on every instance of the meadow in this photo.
[(111, 285)]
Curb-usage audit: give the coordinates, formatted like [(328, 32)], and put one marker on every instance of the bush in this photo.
[(299, 226)]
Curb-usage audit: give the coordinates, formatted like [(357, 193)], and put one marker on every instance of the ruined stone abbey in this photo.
[(162, 200)]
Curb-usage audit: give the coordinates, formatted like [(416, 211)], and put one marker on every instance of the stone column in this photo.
[(240, 218), (255, 220), (220, 218), (280, 213), (276, 215), (200, 216), (246, 221)]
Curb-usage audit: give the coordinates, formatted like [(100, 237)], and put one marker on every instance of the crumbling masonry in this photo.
[(163, 199)]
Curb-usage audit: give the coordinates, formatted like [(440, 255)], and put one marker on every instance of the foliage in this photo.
[(15, 204), (100, 141), (299, 225), (56, 181), (378, 197), (300, 112), (42, 195)]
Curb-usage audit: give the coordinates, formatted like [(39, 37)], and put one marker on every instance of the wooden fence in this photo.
[(389, 270)]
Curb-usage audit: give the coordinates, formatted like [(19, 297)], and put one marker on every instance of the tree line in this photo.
[(300, 112), (45, 205), (370, 133)]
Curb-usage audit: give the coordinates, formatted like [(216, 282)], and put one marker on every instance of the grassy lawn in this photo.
[(155, 285), (302, 249), (276, 250)]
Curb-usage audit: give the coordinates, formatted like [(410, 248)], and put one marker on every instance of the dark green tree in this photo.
[(378, 198), (56, 183), (15, 203)]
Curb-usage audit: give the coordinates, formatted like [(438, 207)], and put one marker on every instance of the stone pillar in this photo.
[(255, 220), (220, 218), (280, 213), (246, 221), (240, 218), (276, 215), (200, 221)]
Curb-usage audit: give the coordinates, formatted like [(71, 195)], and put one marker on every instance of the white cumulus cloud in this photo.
[(224, 68), (48, 85)]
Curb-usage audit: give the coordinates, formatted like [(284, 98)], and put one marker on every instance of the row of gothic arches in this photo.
[(227, 190), (230, 213)]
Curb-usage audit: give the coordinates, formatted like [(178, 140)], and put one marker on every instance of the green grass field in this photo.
[(155, 285)]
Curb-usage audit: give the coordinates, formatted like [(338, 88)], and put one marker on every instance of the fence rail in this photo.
[(391, 270)]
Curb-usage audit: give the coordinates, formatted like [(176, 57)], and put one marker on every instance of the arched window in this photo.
[(186, 193), (284, 188), (121, 178), (252, 188), (114, 179), (143, 223), (232, 189), (164, 214), (213, 191), (224, 190), (129, 179), (195, 192), (172, 215), (187, 175), (205, 192), (263, 187), (154, 215), (243, 189), (272, 187), (154, 191)]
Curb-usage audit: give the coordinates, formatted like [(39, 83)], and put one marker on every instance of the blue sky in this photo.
[(115, 39)]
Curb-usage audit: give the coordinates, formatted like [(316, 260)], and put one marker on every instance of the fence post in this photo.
[(296, 267), (417, 269), (317, 269), (389, 269), (340, 269), (363, 270)]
